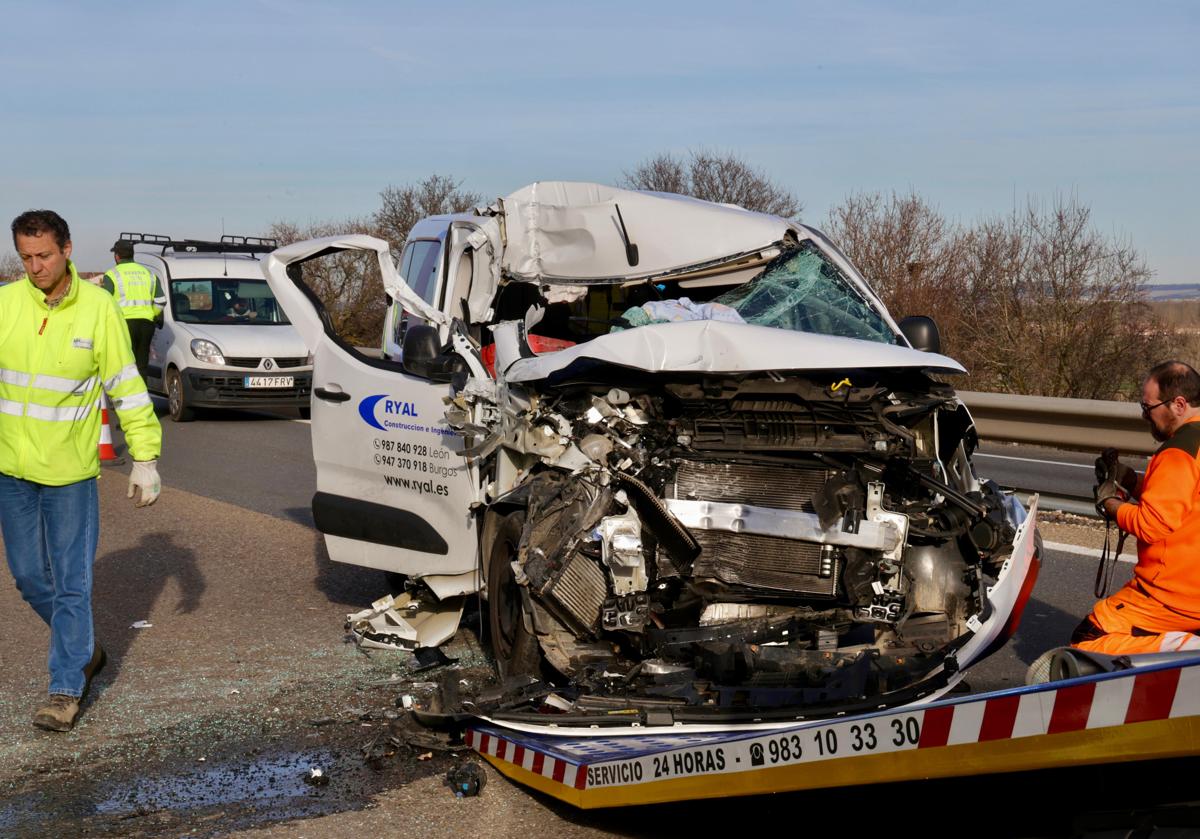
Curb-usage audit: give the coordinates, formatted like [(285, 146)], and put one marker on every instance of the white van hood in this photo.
[(718, 347), (237, 340), (561, 231)]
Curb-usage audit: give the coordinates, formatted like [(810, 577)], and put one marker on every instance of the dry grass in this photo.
[(1183, 318)]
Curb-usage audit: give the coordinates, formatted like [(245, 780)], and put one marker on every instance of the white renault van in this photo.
[(224, 340)]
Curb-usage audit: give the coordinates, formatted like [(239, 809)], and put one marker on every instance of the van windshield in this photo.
[(225, 301), (802, 290)]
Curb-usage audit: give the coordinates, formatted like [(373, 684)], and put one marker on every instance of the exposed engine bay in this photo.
[(737, 542)]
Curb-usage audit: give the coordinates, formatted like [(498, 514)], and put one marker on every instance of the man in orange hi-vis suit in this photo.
[(1159, 609)]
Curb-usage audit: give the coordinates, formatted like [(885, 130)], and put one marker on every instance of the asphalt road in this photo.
[(206, 721), (258, 461)]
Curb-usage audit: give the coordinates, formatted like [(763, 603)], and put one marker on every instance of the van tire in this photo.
[(514, 647), (176, 406)]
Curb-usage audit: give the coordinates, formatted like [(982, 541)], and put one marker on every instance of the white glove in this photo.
[(145, 478)]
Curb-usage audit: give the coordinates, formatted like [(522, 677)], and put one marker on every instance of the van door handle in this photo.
[(331, 395)]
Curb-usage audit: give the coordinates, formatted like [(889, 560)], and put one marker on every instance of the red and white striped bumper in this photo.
[(1139, 714)]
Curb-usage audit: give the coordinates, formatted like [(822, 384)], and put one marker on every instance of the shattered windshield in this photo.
[(804, 292), (801, 290)]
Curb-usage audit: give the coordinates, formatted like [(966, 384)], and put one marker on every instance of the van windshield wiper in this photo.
[(631, 250)]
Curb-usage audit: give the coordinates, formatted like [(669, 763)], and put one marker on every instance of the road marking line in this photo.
[(1088, 466), (1137, 459), (1080, 550)]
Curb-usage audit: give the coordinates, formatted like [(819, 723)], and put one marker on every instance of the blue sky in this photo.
[(180, 117)]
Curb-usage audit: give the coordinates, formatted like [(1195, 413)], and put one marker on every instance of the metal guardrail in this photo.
[(1083, 424), (1059, 503)]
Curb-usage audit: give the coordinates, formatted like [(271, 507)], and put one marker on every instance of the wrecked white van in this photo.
[(691, 461)]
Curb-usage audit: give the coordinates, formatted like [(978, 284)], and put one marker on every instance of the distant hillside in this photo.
[(1174, 291)]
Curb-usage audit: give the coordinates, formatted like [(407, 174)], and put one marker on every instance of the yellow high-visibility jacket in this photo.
[(136, 290), (53, 364)]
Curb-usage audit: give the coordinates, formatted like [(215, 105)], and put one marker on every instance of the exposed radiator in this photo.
[(781, 487), (578, 591), (747, 559), (751, 560)]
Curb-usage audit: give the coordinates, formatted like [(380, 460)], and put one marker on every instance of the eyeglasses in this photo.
[(1146, 409)]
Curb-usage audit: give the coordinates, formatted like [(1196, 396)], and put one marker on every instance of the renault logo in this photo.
[(268, 364)]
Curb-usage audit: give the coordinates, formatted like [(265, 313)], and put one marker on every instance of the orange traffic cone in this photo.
[(108, 455)]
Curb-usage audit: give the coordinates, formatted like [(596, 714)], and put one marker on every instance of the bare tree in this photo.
[(348, 283), (1037, 302), (664, 173), (909, 254), (1057, 308), (724, 178), (11, 268), (403, 206)]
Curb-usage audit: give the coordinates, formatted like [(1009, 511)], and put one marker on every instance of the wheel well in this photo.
[(487, 534)]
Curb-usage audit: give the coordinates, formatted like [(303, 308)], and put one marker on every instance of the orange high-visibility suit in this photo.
[(1159, 609)]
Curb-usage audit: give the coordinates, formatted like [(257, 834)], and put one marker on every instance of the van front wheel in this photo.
[(514, 646), (180, 412)]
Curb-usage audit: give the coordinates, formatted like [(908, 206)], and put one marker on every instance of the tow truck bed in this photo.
[(1144, 713)]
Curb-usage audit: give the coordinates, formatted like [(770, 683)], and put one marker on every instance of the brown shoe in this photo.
[(59, 714), (99, 659)]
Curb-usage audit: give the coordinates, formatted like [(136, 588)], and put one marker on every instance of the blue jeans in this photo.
[(50, 536)]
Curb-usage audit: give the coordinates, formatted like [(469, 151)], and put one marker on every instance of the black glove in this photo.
[(1104, 491), (1113, 480), (1126, 478)]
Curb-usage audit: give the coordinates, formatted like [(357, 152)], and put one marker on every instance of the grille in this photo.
[(757, 431), (767, 423), (748, 559), (234, 387), (251, 363)]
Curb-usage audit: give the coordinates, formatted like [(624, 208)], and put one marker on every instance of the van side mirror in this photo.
[(421, 347), (423, 354), (922, 333)]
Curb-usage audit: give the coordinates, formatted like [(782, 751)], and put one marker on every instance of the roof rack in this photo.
[(154, 238), (228, 244)]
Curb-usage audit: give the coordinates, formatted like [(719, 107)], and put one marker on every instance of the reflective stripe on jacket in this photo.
[(134, 285), (53, 364)]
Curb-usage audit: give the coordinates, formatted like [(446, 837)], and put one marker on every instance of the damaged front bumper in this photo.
[(660, 693), (405, 622)]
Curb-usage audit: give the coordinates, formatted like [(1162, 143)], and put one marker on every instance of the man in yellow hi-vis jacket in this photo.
[(61, 342), (140, 298)]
